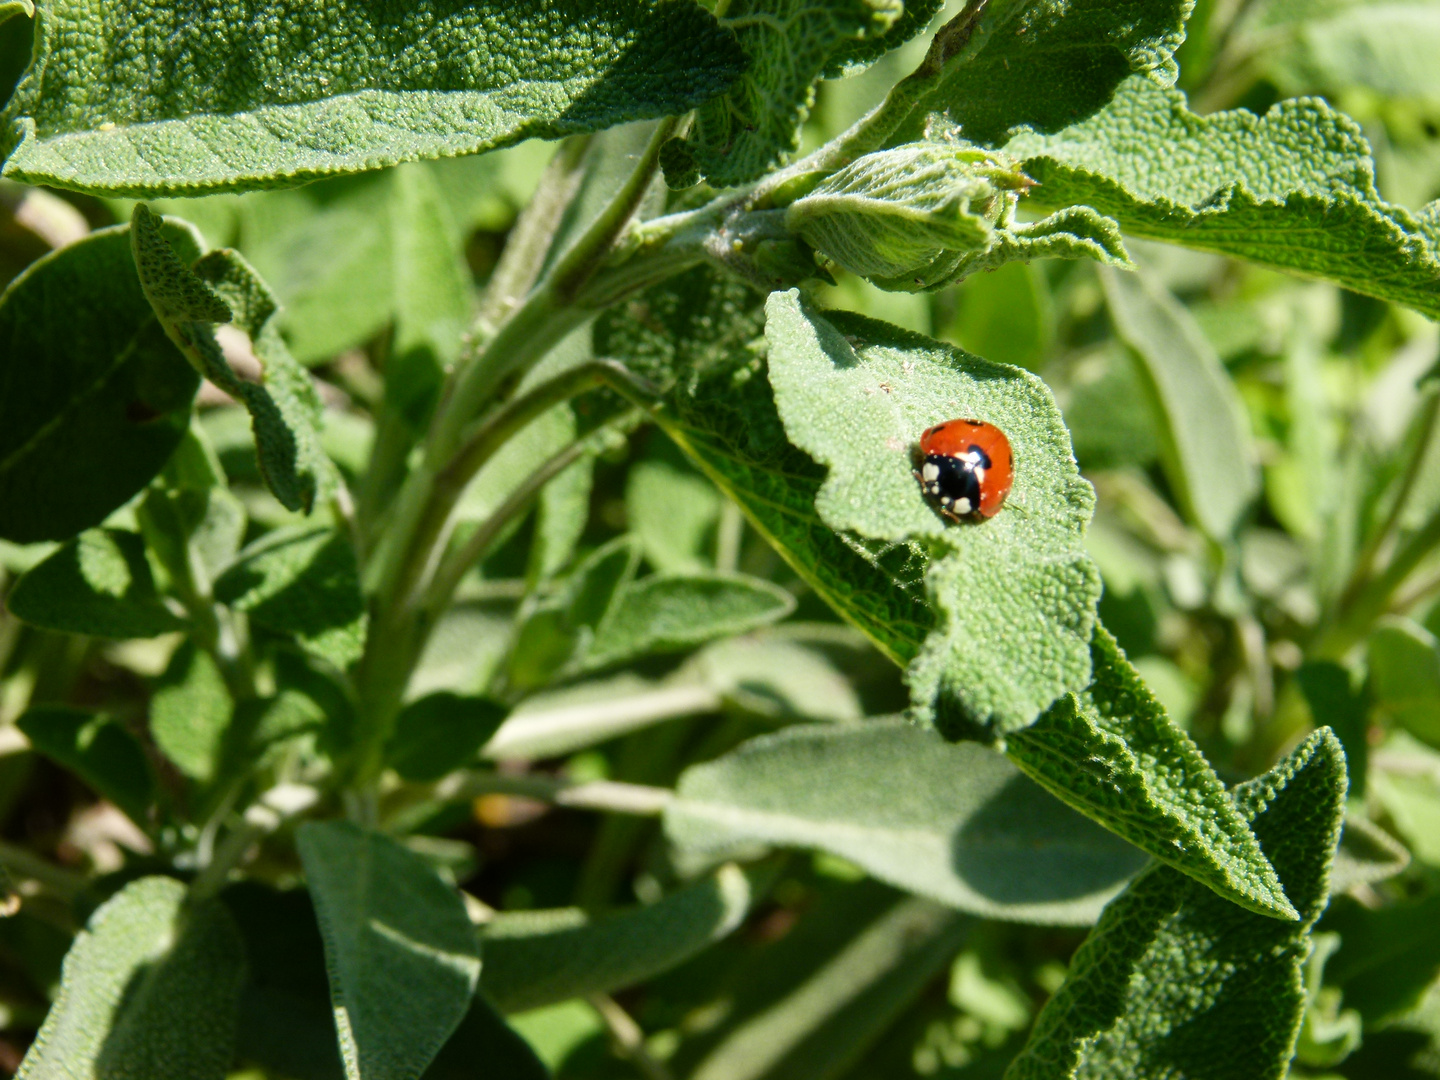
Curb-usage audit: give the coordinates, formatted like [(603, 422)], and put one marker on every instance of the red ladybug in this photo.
[(967, 468)]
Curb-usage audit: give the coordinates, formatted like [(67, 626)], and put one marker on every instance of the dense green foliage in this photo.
[(469, 609)]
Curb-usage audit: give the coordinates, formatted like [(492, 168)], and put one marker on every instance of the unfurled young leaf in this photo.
[(954, 822), (218, 288), (1045, 64), (151, 987), (1176, 980), (788, 44), (1205, 442), (1113, 754), (96, 397), (343, 89), (891, 214), (98, 584), (535, 958), (1293, 189), (1017, 591), (302, 582), (402, 955), (98, 750)]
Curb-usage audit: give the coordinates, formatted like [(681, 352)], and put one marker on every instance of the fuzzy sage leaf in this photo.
[(344, 88)]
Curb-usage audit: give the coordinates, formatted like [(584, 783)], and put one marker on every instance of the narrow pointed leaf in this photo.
[(788, 44), (1113, 754), (1177, 981), (346, 88), (542, 957), (96, 397), (150, 988), (402, 955), (97, 749), (440, 733), (98, 584), (1018, 591), (1205, 442), (190, 712), (1293, 189), (954, 822), (221, 287)]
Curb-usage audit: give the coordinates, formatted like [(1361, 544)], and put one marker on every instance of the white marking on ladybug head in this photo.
[(962, 506), (974, 457), (930, 472), (980, 473)]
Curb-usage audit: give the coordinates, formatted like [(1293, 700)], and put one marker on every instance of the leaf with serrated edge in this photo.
[(788, 45), (150, 988), (952, 821), (858, 55), (1018, 591), (83, 432), (1047, 63), (535, 958), (98, 584), (1175, 981), (1293, 189), (401, 952), (1113, 754), (342, 87)]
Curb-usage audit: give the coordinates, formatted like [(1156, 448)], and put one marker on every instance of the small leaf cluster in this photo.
[(470, 609)]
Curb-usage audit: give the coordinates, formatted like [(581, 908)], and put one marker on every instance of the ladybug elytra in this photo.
[(966, 469)]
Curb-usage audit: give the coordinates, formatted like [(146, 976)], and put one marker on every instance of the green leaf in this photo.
[(17, 7), (98, 750), (673, 511), (190, 712), (1294, 189), (150, 988), (1367, 853), (1205, 443), (788, 45), (810, 1005), (484, 1036), (1336, 703), (1113, 754), (98, 584), (352, 88), (1008, 317), (1388, 957), (953, 822), (1047, 63), (535, 958), (674, 612), (774, 676), (1018, 591), (403, 958), (303, 582), (857, 55), (87, 428), (1177, 981), (222, 287), (1405, 677), (440, 733)]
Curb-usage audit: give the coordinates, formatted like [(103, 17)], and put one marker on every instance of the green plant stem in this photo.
[(1376, 597), (628, 1037), (228, 855), (24, 864), (608, 796)]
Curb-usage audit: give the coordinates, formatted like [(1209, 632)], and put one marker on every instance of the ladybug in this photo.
[(966, 468)]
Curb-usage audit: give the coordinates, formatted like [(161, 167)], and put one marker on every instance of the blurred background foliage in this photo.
[(1249, 528)]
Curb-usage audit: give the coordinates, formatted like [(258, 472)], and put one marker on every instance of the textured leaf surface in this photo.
[(98, 584), (1293, 189), (190, 711), (1048, 63), (221, 287), (788, 44), (93, 397), (303, 582), (403, 958), (858, 54), (1113, 754), (1018, 590), (145, 101), (538, 958), (1175, 980), (150, 988), (954, 822), (1205, 441), (96, 749), (674, 612)]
